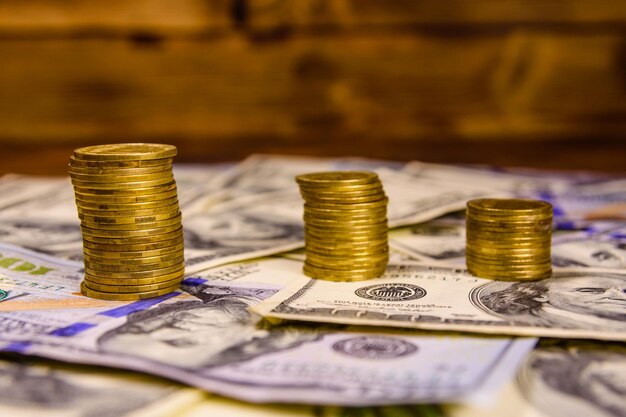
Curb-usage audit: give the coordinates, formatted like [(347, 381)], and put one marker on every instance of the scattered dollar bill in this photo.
[(561, 379), (598, 245), (37, 388), (205, 336), (585, 304), (230, 213), (574, 196)]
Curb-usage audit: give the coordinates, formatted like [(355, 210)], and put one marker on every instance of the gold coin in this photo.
[(511, 276), (127, 296), (508, 206), (495, 266), (80, 163), (136, 233), (508, 265), (375, 189), (126, 188), (104, 170), (365, 252), (160, 260), (340, 188), (132, 220), (365, 215), (129, 207), (328, 179), (502, 239), (174, 221), (321, 235), (507, 257), (481, 251), (125, 152), (381, 244), (117, 254), (172, 208), (538, 268), (341, 238), (507, 243), (348, 206), (120, 199), (529, 218), (509, 250), (329, 275), (133, 248), (499, 251), (512, 238), (334, 261), (349, 221), (124, 242), (345, 210), (348, 228), (130, 288), (132, 268), (509, 224), (502, 228), (339, 246), (344, 238), (134, 274), (341, 268), (343, 199), (104, 179), (357, 256), (136, 281)]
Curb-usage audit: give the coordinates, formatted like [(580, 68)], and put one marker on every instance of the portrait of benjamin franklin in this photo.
[(214, 330), (566, 379), (593, 301)]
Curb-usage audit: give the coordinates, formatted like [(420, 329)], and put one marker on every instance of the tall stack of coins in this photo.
[(345, 224), (509, 239), (130, 220)]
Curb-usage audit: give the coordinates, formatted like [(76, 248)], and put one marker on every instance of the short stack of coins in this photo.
[(509, 239), (345, 225), (130, 220)]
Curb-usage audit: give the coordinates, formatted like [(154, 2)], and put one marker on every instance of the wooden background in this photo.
[(508, 82)]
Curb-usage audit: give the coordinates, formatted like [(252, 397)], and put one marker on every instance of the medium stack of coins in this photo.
[(345, 224), (131, 224), (509, 239)]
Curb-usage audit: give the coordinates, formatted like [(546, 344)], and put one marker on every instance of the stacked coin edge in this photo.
[(509, 239), (345, 223), (127, 203)]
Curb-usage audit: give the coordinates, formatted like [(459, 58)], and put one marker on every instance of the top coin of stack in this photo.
[(345, 225), (509, 239), (130, 220)]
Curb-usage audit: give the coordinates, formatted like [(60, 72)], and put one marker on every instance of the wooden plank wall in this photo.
[(509, 82)]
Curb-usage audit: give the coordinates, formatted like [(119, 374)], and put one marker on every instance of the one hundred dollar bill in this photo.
[(557, 379), (205, 336), (585, 303)]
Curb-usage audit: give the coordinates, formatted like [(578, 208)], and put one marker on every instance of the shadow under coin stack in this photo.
[(130, 220), (345, 225), (509, 239)]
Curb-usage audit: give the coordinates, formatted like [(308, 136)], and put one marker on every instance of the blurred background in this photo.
[(504, 82)]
